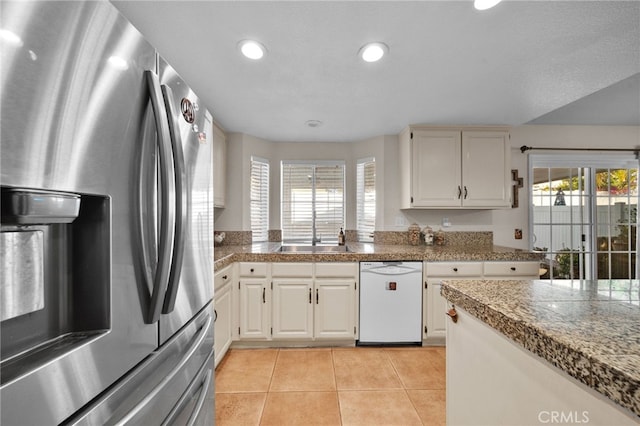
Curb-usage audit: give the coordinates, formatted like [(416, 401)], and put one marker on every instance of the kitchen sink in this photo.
[(303, 248)]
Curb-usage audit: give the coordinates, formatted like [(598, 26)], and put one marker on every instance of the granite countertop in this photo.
[(269, 252), (589, 329)]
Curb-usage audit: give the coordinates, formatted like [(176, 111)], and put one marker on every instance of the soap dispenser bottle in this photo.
[(341, 240)]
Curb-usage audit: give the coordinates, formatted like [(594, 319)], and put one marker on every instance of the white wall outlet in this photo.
[(446, 222), (401, 221)]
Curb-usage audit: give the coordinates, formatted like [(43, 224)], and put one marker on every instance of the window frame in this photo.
[(287, 228), (364, 228), (263, 203)]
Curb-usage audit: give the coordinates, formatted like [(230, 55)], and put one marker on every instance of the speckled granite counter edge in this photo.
[(359, 252), (606, 379)]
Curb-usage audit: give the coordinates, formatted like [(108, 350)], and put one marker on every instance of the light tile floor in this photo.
[(331, 386)]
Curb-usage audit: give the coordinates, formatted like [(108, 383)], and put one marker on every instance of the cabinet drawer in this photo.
[(334, 270), (253, 269), (515, 269), (292, 270), (222, 278), (453, 269)]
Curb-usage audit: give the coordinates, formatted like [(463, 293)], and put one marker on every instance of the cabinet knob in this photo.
[(453, 314), (251, 270), (455, 269), (513, 268), (224, 277)]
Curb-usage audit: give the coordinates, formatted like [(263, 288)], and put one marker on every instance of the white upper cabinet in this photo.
[(455, 168), (219, 166)]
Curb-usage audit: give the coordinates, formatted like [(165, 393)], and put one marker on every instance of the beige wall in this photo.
[(384, 148)]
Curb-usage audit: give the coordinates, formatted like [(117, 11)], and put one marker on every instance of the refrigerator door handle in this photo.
[(167, 199), (181, 202), (202, 334)]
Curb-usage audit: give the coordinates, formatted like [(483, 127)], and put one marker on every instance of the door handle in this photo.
[(317, 297), (180, 177), (309, 295), (453, 314), (167, 196), (465, 192), (263, 295)]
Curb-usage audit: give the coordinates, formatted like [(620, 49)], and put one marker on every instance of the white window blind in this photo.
[(312, 201), (366, 198), (259, 195)]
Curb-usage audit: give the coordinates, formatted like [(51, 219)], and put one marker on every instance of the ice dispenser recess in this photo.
[(55, 275)]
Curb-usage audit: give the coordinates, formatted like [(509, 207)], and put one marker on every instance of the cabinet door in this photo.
[(292, 308), (222, 334), (436, 169), (486, 174), (254, 309), (335, 309), (523, 270), (220, 167), (436, 309)]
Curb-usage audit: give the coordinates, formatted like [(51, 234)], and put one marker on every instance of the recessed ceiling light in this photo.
[(485, 4), (313, 123), (252, 49), (373, 52)]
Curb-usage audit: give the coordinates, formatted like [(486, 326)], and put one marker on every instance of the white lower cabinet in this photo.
[(292, 308), (334, 311), (313, 301), (254, 301), (512, 270), (223, 311), (434, 305), (222, 330), (493, 381)]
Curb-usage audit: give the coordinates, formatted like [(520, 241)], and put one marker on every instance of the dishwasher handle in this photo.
[(388, 269)]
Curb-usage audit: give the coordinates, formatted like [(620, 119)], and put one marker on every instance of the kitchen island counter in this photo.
[(590, 330), (270, 252)]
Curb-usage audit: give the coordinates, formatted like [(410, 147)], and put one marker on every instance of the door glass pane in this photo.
[(616, 211), (561, 220), (585, 219)]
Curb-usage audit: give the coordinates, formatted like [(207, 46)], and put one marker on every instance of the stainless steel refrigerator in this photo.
[(106, 237)]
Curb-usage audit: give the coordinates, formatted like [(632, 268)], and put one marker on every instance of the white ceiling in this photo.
[(447, 64)]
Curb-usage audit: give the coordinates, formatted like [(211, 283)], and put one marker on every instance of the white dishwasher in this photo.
[(390, 303)]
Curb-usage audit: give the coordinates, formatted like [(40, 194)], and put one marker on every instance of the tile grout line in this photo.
[(266, 398), (335, 381)]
